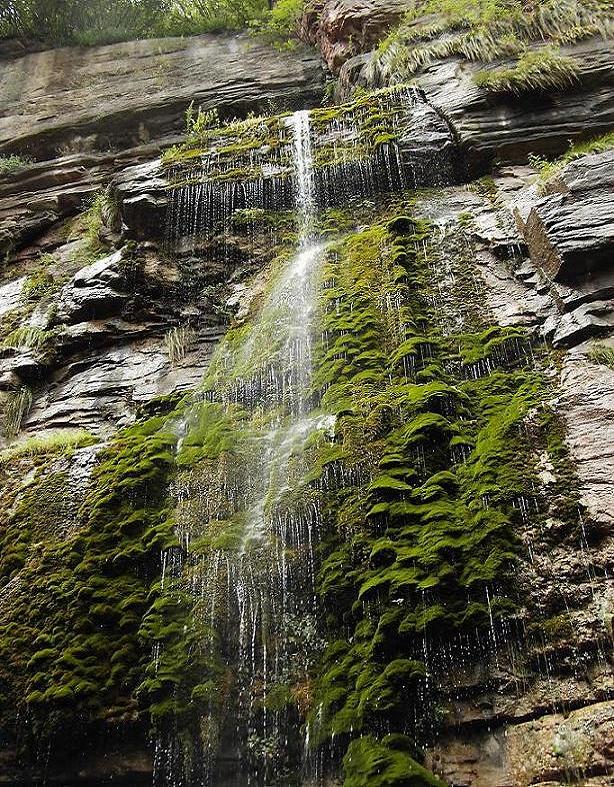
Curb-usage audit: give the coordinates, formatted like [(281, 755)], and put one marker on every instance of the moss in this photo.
[(554, 628), (11, 164), (386, 763), (38, 285), (84, 579), (421, 483), (260, 147)]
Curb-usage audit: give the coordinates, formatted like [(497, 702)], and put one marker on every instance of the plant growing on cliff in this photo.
[(55, 443), (88, 569), (482, 30), (602, 354), (12, 164), (550, 169), (198, 121), (15, 407), (535, 70), (177, 342), (29, 337)]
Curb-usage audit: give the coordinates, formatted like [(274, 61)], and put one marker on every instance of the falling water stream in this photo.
[(259, 595)]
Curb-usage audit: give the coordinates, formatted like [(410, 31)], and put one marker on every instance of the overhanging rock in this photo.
[(385, 142)]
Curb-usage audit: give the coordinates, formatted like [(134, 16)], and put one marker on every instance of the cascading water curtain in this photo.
[(247, 564)]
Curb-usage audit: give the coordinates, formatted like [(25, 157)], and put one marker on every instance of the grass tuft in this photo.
[(17, 405), (483, 31), (536, 70), (11, 164), (53, 443), (550, 169), (177, 342), (602, 354)]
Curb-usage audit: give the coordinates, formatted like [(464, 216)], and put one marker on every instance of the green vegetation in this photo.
[(80, 21), (389, 763), (177, 342), (603, 354), (102, 214), (535, 70), (11, 164), (550, 169), (92, 22), (28, 337), (15, 407), (55, 443), (420, 537), (233, 150), (484, 30), (86, 571), (211, 16), (279, 26), (234, 142)]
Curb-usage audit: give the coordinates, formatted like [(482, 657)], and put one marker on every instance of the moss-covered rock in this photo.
[(78, 582)]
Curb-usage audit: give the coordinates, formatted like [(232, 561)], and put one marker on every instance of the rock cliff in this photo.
[(118, 286)]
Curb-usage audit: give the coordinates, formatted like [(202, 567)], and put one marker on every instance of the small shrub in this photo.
[(544, 69), (210, 16), (280, 25), (198, 121)]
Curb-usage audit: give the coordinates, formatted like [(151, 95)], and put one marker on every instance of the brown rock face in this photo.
[(344, 28), (122, 95)]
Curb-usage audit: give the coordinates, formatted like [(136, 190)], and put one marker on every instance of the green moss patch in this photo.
[(77, 583)]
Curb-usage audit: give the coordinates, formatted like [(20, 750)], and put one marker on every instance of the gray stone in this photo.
[(124, 95), (94, 292), (587, 405), (570, 232), (10, 295)]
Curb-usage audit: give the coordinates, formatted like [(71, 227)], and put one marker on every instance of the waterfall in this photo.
[(362, 150), (253, 588), (305, 180)]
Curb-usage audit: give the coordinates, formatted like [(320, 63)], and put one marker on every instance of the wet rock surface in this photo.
[(502, 128), (507, 128), (427, 152)]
